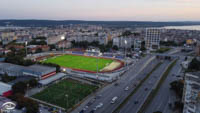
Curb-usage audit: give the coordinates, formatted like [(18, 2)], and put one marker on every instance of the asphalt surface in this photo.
[(138, 99), (132, 76), (165, 95)]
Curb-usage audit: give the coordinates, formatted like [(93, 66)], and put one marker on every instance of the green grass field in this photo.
[(56, 94), (79, 62)]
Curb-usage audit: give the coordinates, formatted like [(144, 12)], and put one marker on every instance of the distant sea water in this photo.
[(1, 27), (194, 27)]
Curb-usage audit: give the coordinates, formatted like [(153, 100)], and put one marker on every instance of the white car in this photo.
[(100, 105), (127, 88)]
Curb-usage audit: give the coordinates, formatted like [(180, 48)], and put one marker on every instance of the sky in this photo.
[(106, 10)]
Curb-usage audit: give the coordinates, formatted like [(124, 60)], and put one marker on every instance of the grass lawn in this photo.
[(162, 50), (56, 94), (79, 62)]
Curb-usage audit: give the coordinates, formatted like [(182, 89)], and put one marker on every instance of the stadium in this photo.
[(83, 63)]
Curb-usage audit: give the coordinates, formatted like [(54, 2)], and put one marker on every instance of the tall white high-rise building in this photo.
[(152, 38)]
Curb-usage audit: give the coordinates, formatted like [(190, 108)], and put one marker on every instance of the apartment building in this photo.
[(152, 38), (54, 39), (191, 93)]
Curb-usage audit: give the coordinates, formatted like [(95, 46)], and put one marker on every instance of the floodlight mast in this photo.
[(63, 38)]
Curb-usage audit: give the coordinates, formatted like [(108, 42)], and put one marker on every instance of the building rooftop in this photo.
[(40, 68), (11, 67)]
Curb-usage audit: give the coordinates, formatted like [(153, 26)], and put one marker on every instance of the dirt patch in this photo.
[(111, 66)]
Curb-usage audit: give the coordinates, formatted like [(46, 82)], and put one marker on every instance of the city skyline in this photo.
[(112, 10)]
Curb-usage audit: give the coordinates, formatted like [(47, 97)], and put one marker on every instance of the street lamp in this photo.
[(63, 38), (26, 47), (125, 42), (67, 99), (97, 64)]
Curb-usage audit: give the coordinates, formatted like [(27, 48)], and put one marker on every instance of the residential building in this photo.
[(137, 44), (152, 38), (191, 93), (54, 39), (63, 44)]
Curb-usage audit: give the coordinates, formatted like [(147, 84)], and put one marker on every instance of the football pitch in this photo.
[(79, 62), (66, 93)]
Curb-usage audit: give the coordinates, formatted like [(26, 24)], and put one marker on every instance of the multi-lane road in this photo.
[(138, 99), (165, 96), (135, 72)]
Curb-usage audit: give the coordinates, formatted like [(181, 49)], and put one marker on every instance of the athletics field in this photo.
[(80, 62)]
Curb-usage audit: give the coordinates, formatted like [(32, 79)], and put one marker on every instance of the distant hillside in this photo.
[(43, 23)]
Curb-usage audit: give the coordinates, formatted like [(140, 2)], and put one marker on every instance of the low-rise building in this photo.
[(37, 71), (5, 89), (11, 69)]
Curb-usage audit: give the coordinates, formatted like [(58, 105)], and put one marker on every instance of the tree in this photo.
[(178, 105), (157, 112), (19, 87), (143, 46), (30, 105), (5, 78), (33, 83), (51, 65), (38, 50), (126, 33), (177, 86), (52, 47), (115, 47), (194, 65), (110, 44)]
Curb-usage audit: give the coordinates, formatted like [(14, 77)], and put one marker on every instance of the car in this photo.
[(146, 89), (127, 88), (135, 85), (114, 99), (86, 107), (116, 84), (95, 108), (89, 104), (100, 105), (82, 111), (136, 102), (92, 111)]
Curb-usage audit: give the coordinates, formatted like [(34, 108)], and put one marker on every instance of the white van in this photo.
[(114, 99)]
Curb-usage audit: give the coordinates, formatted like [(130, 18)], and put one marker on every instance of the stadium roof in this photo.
[(52, 78)]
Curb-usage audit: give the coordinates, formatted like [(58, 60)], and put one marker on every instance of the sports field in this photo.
[(79, 62), (57, 93)]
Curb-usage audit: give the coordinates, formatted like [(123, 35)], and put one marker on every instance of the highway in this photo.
[(138, 99), (165, 95), (135, 72)]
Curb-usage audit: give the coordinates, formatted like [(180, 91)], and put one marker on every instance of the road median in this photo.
[(156, 89), (135, 90)]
